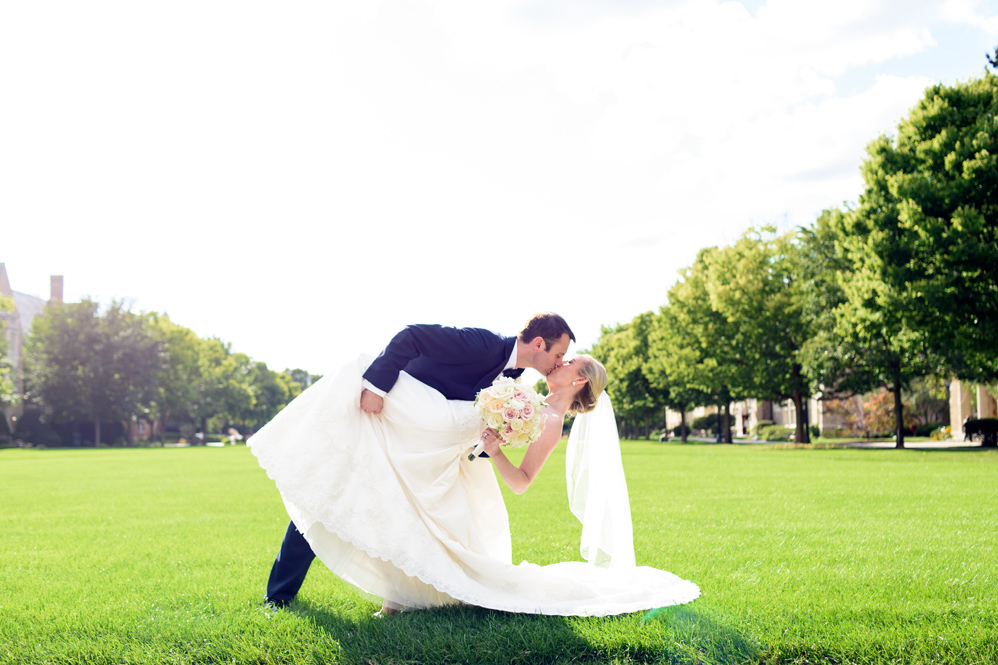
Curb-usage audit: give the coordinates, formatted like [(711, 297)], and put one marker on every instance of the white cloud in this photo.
[(974, 13)]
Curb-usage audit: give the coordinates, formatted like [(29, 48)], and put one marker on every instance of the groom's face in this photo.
[(550, 359)]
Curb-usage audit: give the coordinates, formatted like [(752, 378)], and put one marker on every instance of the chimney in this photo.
[(56, 289)]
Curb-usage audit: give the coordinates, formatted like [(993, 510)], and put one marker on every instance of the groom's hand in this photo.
[(371, 402)]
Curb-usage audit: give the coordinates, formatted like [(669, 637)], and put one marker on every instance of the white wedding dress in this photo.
[(392, 504)]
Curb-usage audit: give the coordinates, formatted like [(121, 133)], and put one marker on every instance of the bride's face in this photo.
[(564, 375)]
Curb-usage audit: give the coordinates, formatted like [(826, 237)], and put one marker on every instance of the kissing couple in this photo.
[(376, 466)]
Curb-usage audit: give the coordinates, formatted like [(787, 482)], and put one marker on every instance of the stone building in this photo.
[(962, 405), (17, 325), (746, 415)]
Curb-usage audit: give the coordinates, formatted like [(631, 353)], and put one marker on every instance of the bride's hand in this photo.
[(492, 441)]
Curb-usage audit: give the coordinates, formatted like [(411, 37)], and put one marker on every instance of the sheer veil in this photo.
[(597, 491)]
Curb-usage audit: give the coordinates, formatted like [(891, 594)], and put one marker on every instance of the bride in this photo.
[(394, 504)]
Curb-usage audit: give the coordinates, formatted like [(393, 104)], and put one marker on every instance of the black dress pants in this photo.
[(290, 567)]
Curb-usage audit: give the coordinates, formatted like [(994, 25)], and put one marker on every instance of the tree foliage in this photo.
[(8, 390), (713, 359), (623, 350), (672, 366), (920, 293), (932, 201), (84, 365), (760, 285)]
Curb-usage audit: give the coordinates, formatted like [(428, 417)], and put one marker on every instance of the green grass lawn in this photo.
[(803, 556)]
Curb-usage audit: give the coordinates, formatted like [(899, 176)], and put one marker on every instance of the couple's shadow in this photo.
[(463, 634)]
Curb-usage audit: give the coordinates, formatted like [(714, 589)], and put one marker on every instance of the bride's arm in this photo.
[(519, 478)]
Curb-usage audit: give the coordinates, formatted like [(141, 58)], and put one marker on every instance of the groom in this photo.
[(458, 362)]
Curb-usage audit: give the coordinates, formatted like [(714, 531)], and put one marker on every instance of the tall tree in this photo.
[(271, 392), (623, 350), (671, 368), (179, 373), (717, 365), (877, 340), (922, 289), (224, 388), (84, 365), (931, 203), (758, 285)]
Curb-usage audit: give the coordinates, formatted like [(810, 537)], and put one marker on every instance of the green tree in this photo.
[(8, 389), (84, 365), (877, 340), (623, 350), (758, 285), (302, 378), (223, 389), (671, 367), (927, 399), (716, 367), (931, 202), (271, 392), (179, 374)]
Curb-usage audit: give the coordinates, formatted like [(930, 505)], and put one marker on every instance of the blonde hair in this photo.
[(595, 373)]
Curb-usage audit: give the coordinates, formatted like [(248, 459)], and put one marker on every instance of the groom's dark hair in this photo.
[(550, 326)]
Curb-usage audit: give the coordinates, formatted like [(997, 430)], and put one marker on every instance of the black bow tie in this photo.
[(512, 373)]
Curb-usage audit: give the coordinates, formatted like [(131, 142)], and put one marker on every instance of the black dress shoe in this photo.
[(276, 604)]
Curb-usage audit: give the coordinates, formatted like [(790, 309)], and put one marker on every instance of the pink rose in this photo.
[(509, 414), (528, 410)]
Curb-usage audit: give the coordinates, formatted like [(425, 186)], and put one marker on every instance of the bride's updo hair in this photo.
[(593, 370)]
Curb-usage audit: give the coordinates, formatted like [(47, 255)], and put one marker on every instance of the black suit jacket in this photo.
[(456, 361)]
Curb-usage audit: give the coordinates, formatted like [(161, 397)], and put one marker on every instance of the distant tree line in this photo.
[(879, 295), (110, 366)]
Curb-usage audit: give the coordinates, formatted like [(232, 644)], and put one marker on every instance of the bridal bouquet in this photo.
[(512, 410)]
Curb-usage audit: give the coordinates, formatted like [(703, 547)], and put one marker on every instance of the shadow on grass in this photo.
[(475, 635), (450, 635), (701, 637)]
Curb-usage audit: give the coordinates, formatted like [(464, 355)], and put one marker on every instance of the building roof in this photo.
[(28, 307)]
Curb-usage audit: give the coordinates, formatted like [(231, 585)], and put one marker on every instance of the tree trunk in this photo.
[(204, 429), (682, 423), (898, 406), (807, 419), (647, 425), (97, 433), (727, 422), (799, 429)]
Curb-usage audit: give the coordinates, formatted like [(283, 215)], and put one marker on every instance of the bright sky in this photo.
[(303, 179)]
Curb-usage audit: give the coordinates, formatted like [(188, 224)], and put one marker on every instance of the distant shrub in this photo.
[(35, 431), (708, 422), (678, 430), (927, 429), (759, 425), (942, 433), (815, 431), (775, 433)]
